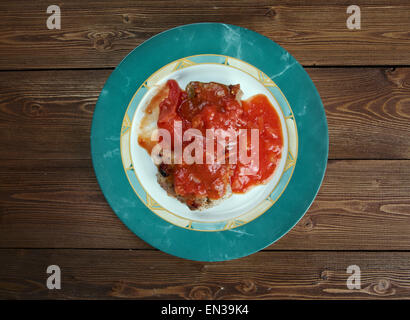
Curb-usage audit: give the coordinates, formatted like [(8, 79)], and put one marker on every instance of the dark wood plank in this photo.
[(368, 111), (57, 204), (108, 274), (99, 33), (47, 114), (362, 205)]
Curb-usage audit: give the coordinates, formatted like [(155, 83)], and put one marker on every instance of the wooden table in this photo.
[(53, 212)]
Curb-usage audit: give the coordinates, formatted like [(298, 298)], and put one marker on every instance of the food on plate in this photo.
[(239, 141)]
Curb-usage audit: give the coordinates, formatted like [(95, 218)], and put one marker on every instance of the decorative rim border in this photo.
[(209, 226)]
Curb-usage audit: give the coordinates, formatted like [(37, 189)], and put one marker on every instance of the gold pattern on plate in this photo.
[(265, 80), (126, 124), (290, 161), (183, 63), (233, 224), (152, 204)]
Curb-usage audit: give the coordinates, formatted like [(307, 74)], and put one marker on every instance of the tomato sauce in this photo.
[(215, 106)]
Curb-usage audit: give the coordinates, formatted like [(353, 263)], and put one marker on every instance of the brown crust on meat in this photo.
[(194, 203)]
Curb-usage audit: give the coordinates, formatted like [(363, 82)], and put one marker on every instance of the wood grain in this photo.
[(98, 34), (362, 205), (368, 111), (47, 114), (125, 274)]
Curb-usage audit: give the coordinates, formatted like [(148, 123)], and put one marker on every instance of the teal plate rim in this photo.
[(218, 39)]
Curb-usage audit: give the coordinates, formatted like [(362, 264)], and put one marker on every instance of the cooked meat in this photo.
[(199, 95), (214, 106), (193, 202)]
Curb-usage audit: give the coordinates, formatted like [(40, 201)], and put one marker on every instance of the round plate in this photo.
[(238, 209), (245, 223)]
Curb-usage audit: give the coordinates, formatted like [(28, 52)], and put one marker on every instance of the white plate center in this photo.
[(146, 171)]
